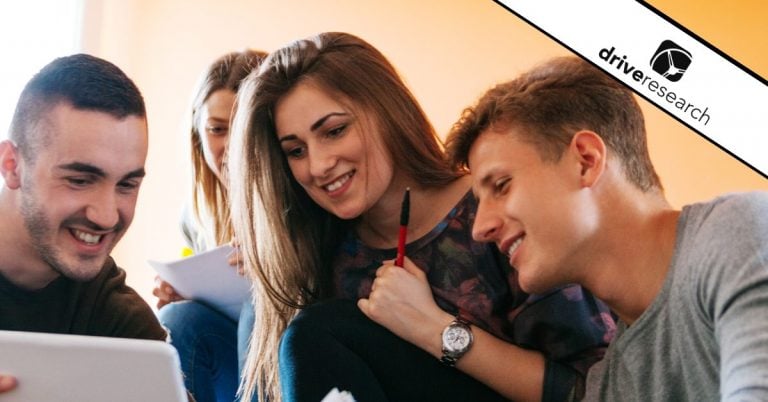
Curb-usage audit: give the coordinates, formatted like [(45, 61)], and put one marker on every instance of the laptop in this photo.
[(77, 368)]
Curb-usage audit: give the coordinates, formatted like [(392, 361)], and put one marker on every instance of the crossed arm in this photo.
[(401, 300)]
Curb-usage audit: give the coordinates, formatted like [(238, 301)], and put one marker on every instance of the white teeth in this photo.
[(87, 237), (514, 246), (338, 183)]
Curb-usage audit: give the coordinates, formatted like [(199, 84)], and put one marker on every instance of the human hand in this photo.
[(7, 383), (401, 300), (164, 292), (236, 257)]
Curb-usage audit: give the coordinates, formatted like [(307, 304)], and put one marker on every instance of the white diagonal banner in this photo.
[(665, 65)]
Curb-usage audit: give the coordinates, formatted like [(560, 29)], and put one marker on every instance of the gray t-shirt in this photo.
[(705, 336)]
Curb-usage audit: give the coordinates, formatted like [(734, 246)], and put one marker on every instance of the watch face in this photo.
[(456, 338)]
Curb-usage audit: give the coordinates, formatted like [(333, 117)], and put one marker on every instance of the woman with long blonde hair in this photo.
[(326, 140), (210, 343)]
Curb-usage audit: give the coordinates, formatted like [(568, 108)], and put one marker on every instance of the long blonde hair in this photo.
[(288, 241), (209, 197)]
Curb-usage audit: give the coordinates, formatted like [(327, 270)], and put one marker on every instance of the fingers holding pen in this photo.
[(385, 268), (398, 288), (401, 280), (389, 269), (380, 297), (400, 299), (414, 270)]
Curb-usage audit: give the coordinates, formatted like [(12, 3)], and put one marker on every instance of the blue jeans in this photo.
[(209, 346)]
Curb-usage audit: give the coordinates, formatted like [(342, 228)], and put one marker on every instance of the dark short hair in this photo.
[(551, 103), (85, 82)]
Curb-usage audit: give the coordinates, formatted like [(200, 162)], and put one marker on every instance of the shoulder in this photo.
[(113, 285), (110, 277), (113, 290), (732, 218), (724, 246), (733, 206), (123, 312)]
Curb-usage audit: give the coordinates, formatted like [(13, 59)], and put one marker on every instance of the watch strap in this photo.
[(449, 361)]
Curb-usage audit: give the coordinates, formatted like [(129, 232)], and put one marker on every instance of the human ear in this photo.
[(590, 151), (9, 164)]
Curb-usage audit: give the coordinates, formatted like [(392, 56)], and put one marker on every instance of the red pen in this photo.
[(404, 213)]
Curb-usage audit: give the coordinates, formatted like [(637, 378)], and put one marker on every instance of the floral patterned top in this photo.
[(569, 326)]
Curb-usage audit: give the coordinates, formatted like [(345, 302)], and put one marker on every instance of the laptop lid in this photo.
[(69, 368)]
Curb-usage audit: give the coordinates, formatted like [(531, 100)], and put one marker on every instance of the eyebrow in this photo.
[(83, 168), (314, 125), (95, 170), (486, 180), (138, 173), (217, 119)]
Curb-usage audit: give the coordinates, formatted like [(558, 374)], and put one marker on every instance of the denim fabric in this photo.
[(207, 344), (244, 329)]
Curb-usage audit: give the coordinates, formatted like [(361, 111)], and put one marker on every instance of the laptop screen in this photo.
[(59, 368)]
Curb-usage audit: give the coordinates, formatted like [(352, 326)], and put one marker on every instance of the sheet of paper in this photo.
[(338, 396), (208, 278)]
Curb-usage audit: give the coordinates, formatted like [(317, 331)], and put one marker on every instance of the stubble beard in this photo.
[(41, 232)]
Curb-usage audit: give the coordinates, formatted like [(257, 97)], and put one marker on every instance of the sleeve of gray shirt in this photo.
[(734, 292)]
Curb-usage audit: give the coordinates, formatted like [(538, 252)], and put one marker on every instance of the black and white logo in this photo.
[(671, 60)]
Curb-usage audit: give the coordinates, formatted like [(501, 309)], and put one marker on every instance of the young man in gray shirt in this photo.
[(567, 190)]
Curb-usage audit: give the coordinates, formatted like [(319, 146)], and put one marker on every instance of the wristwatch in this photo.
[(457, 340)]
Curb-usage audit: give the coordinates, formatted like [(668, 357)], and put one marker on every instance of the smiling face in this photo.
[(78, 195), (537, 212), (213, 126), (333, 153)]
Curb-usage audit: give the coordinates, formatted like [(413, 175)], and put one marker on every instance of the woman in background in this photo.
[(209, 343), (326, 139)]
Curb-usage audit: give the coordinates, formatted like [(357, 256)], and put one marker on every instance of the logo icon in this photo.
[(671, 60)]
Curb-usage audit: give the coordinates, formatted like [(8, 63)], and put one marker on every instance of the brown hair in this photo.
[(551, 103), (290, 264), (208, 193), (85, 82)]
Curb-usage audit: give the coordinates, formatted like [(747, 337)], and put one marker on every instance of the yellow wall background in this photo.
[(448, 52)]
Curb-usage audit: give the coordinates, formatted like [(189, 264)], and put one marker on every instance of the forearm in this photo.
[(510, 370), (401, 301), (514, 372)]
